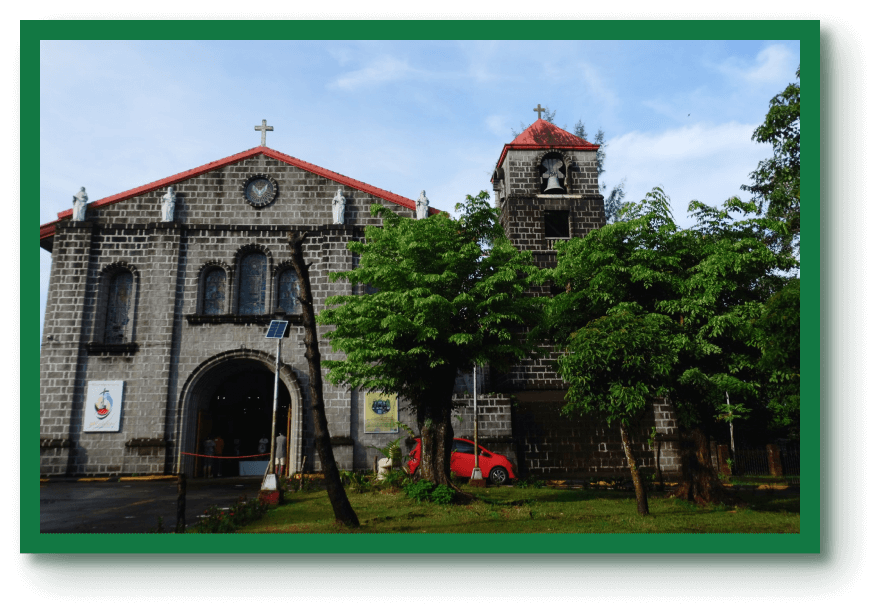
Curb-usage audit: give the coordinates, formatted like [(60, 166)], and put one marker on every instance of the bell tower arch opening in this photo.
[(231, 398)]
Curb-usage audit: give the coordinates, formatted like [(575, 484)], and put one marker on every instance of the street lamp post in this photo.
[(476, 474), (276, 331)]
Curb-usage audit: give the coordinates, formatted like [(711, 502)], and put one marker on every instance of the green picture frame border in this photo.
[(825, 559)]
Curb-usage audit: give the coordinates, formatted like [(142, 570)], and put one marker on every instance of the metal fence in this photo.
[(755, 461)]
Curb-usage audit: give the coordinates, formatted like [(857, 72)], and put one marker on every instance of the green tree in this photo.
[(778, 337), (776, 186), (617, 365), (443, 302), (711, 280), (613, 200)]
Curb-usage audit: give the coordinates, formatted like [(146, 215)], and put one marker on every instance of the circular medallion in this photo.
[(381, 407), (260, 190)]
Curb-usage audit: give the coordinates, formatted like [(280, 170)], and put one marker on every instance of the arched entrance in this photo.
[(230, 396)]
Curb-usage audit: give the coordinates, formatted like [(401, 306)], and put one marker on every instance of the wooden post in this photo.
[(181, 503), (723, 456), (774, 460), (288, 463), (301, 467)]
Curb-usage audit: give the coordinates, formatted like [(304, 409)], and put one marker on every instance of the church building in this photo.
[(160, 297)]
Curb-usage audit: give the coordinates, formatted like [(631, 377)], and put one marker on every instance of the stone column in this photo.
[(62, 357)]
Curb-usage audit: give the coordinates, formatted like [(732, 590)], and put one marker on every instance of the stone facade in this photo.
[(175, 356), (194, 361)]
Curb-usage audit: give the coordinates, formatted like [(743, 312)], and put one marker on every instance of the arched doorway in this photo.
[(239, 412), (230, 396)]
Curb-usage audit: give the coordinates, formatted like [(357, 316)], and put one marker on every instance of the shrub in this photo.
[(218, 520), (359, 482), (531, 482), (420, 491), (396, 478), (443, 494)]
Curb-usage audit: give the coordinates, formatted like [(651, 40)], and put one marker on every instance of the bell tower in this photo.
[(546, 186)]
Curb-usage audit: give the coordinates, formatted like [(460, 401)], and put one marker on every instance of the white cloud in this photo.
[(500, 125), (596, 87), (774, 64), (381, 70), (703, 162)]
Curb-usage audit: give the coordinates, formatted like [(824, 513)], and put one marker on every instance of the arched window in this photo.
[(119, 307), (252, 284), (214, 297), (288, 290)]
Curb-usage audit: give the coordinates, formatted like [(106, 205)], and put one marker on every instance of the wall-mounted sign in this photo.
[(380, 413), (103, 407)]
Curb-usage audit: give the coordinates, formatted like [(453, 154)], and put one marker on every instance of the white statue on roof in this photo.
[(80, 199), (169, 199), (422, 206), (339, 207)]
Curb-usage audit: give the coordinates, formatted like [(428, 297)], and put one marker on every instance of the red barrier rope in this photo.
[(207, 456)]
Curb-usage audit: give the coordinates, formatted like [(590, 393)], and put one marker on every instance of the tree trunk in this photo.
[(434, 417), (338, 499), (657, 467), (641, 495), (699, 480)]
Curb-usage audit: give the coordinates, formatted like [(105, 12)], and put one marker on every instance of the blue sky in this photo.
[(404, 116)]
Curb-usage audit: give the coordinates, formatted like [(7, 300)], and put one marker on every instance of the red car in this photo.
[(494, 467)]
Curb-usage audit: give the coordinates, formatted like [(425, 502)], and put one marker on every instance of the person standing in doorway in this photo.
[(218, 450), (208, 451), (280, 453)]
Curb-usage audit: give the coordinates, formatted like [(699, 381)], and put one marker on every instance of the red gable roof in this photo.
[(48, 230), (544, 135)]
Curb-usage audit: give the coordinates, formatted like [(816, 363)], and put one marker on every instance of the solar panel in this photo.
[(276, 329)]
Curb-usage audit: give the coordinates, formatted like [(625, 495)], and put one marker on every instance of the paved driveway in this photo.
[(68, 506)]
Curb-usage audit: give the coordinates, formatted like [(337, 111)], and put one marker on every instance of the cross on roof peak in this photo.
[(538, 109), (263, 129)]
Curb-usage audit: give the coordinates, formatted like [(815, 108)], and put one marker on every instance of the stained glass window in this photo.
[(288, 290), (215, 292), (118, 308), (252, 285)]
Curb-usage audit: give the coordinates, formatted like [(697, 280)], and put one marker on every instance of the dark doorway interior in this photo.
[(240, 411)]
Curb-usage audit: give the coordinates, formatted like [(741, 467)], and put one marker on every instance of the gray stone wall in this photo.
[(213, 223), (553, 445)]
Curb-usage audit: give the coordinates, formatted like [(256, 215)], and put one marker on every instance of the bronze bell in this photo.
[(553, 183)]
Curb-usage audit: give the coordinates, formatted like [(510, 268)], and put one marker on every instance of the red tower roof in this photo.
[(544, 135), (48, 230)]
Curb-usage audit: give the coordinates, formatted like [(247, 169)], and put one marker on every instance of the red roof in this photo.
[(544, 135), (48, 230)]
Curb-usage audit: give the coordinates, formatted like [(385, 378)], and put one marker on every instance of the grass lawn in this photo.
[(533, 510)]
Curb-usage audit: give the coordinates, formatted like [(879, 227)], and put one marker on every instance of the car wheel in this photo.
[(498, 475)]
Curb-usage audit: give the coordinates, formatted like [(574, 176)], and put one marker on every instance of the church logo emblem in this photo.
[(104, 404), (103, 407)]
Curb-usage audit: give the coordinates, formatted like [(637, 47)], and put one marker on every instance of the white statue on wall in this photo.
[(79, 205), (339, 207), (422, 206), (169, 199)]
